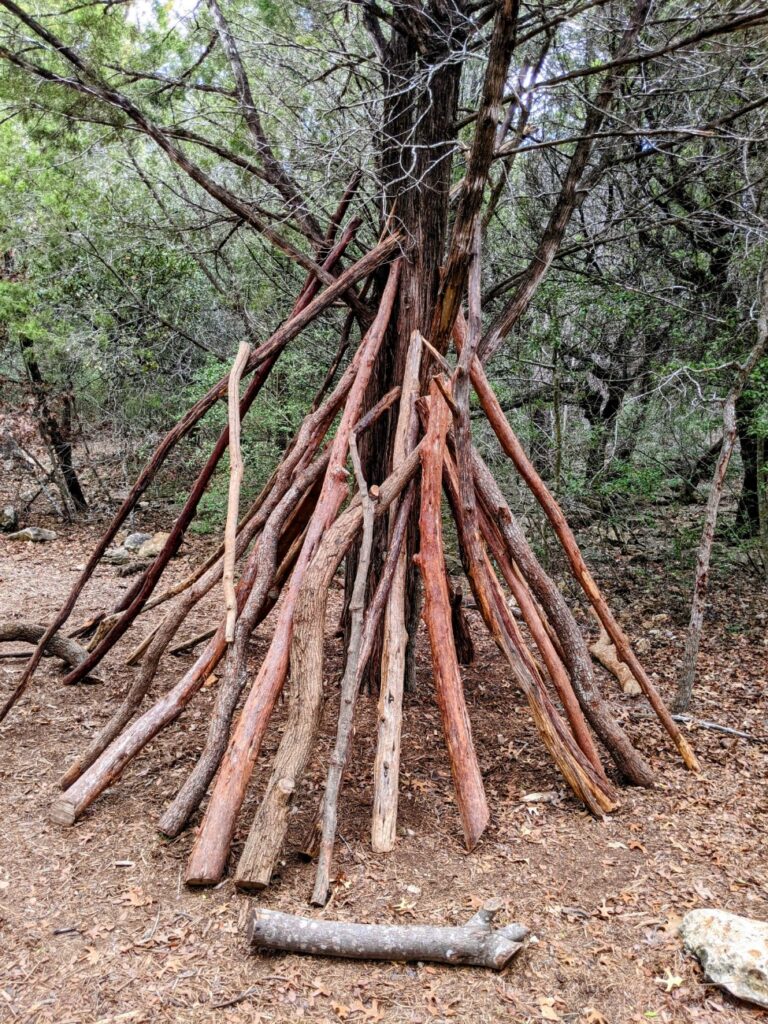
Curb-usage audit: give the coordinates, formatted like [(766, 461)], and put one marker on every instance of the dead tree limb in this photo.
[(467, 779), (475, 944), (701, 582), (70, 652)]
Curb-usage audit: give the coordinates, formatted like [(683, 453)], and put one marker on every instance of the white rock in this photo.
[(134, 541), (733, 951), (152, 547), (115, 556), (9, 519)]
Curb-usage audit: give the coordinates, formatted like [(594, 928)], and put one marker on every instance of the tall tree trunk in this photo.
[(54, 433), (415, 148)]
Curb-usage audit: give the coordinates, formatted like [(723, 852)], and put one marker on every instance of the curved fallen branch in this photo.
[(58, 646)]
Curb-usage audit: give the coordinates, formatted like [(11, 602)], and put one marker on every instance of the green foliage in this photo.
[(267, 429)]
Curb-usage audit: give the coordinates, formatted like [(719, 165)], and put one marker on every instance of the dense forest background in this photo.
[(127, 285)]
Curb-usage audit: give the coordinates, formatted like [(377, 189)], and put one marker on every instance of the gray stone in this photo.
[(34, 533), (115, 556), (152, 547), (733, 951), (9, 519), (134, 541)]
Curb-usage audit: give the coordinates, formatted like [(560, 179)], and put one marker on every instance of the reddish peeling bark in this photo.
[(554, 513), (467, 779), (209, 854)]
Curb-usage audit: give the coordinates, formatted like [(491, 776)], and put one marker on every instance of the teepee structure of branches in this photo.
[(387, 445)]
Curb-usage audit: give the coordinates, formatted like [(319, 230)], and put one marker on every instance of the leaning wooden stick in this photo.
[(350, 684), (235, 482), (513, 448), (467, 777), (386, 772), (475, 943)]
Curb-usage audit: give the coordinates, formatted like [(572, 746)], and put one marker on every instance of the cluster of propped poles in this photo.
[(290, 544)]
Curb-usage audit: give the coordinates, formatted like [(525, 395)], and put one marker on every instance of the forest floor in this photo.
[(96, 925)]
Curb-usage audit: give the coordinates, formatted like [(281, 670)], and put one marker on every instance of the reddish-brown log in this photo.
[(209, 854), (554, 513), (467, 779), (592, 789), (267, 833)]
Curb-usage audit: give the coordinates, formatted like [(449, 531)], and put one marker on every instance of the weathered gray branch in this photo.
[(475, 943)]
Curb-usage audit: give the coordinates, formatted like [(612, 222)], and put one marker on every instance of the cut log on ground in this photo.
[(474, 944)]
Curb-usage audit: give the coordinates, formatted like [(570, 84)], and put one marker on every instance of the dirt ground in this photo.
[(96, 925)]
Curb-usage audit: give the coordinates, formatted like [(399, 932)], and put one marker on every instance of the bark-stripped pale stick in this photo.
[(235, 482), (475, 942), (386, 771), (349, 684)]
